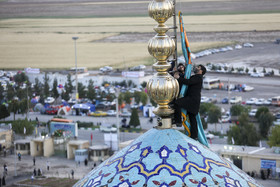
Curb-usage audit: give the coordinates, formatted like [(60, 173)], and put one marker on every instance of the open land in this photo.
[(39, 33)]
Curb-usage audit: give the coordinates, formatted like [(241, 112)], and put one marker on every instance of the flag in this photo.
[(91, 137), (260, 144), (24, 130), (232, 140)]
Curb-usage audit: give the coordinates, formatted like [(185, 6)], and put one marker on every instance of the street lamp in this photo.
[(77, 94), (117, 111)]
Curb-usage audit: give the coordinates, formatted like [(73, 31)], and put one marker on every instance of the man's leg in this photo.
[(177, 114), (193, 125)]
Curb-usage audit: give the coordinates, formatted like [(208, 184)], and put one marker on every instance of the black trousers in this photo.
[(178, 119)]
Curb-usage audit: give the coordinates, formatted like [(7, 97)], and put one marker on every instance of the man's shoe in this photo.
[(178, 124)]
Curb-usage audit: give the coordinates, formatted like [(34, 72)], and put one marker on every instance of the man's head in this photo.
[(200, 69), (181, 68)]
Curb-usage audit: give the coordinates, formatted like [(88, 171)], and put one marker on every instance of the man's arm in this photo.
[(193, 80)]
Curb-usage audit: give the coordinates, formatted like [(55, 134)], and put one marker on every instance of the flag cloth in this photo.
[(232, 140), (24, 130), (187, 55)]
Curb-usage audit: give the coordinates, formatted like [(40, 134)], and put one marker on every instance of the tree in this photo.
[(274, 138), (134, 119), (37, 86), (1, 92), (14, 107), (91, 94), (19, 125), (254, 70), (127, 97), (4, 112), (214, 114), (204, 108), (245, 133), (260, 111), (81, 90), (265, 122), (54, 89), (137, 97), (20, 78), (264, 71), (10, 92), (69, 87), (144, 84), (246, 70), (144, 98), (237, 110), (46, 86)]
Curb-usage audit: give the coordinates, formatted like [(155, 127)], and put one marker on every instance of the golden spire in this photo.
[(162, 87)]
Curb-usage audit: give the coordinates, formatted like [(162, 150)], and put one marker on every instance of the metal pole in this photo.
[(76, 78), (15, 160), (175, 33), (117, 111), (27, 113)]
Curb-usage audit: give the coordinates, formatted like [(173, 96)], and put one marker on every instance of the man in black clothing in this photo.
[(191, 99)]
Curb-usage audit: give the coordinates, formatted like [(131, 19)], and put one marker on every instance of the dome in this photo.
[(166, 157)]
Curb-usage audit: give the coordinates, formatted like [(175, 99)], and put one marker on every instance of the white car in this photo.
[(106, 69), (138, 68), (111, 112), (238, 47), (235, 100), (125, 114), (208, 135), (253, 112), (204, 99), (248, 45), (267, 102), (225, 118), (260, 101), (251, 101)]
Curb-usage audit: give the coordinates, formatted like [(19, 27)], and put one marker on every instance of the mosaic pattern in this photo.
[(166, 158)]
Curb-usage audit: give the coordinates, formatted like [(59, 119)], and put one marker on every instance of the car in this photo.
[(260, 101), (251, 101), (253, 112), (49, 100), (98, 114), (125, 114), (138, 68), (204, 99), (238, 46), (235, 100), (276, 122), (277, 116), (248, 45), (208, 135), (106, 69), (267, 102), (225, 100), (225, 118), (107, 128), (111, 113)]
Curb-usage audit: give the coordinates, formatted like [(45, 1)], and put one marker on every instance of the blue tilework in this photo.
[(166, 158)]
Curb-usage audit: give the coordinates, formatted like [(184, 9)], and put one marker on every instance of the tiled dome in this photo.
[(166, 158)]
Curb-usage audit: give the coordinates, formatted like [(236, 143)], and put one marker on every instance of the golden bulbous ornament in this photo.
[(163, 88), (161, 10)]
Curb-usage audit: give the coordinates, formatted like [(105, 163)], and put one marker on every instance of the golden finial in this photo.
[(162, 87)]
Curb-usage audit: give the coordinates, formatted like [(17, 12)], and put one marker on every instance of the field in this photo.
[(42, 38)]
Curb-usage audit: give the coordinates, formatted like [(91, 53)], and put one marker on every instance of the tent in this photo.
[(66, 110), (39, 108), (83, 108)]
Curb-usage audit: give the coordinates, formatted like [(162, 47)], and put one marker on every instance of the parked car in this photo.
[(225, 100), (225, 118), (107, 128), (204, 99), (253, 112), (106, 69), (248, 45), (251, 101), (138, 68), (267, 102), (125, 114), (98, 114), (208, 135), (260, 101), (238, 46), (276, 122), (235, 100), (111, 113)]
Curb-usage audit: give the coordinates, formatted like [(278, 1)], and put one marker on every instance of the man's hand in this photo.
[(176, 75)]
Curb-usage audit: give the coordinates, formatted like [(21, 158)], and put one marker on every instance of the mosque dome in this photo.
[(166, 157)]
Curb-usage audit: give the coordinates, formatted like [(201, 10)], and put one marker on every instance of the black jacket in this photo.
[(191, 99)]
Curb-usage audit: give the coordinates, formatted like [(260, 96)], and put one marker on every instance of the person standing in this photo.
[(192, 97), (72, 173), (19, 157), (48, 165), (34, 161)]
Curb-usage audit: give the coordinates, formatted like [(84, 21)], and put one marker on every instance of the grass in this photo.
[(48, 44)]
